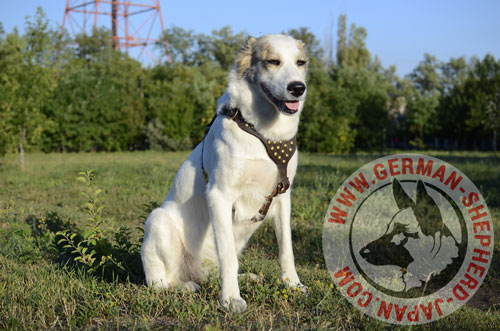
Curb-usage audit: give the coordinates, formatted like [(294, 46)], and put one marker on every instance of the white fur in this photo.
[(196, 221)]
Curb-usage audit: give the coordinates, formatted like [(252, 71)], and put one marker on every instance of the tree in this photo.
[(329, 114), (348, 103), (370, 90), (454, 73), (453, 110), (492, 117), (7, 56), (425, 76), (483, 88), (421, 110), (423, 100), (28, 81), (342, 40), (364, 80), (312, 45), (99, 104), (181, 44), (220, 47), (180, 102), (352, 51), (96, 47)]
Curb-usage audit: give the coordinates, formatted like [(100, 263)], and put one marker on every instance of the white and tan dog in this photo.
[(212, 220)]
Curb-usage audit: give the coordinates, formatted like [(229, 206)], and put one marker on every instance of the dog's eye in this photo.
[(274, 62), (301, 63)]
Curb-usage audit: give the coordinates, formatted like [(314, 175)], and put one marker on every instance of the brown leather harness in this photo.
[(280, 152)]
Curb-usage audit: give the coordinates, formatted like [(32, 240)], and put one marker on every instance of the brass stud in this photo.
[(272, 147), (275, 153), (284, 161), (281, 142), (290, 149), (291, 142), (274, 142), (268, 142), (282, 151), (284, 145), (279, 157), (286, 155), (246, 124)]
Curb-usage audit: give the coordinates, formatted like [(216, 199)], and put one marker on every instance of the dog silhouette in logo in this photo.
[(414, 239)]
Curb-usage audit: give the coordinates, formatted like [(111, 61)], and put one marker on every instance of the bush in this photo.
[(100, 248)]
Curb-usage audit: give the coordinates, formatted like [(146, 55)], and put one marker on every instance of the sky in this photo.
[(399, 32)]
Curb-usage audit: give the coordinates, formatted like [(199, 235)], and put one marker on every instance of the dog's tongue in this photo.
[(292, 105)]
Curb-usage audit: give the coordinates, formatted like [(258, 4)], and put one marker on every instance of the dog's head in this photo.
[(276, 66)]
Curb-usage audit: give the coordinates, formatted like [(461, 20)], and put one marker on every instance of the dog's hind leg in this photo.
[(162, 251)]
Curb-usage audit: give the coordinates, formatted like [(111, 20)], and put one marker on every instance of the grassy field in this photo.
[(43, 287)]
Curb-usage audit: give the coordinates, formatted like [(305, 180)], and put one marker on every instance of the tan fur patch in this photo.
[(300, 46), (244, 56), (263, 50)]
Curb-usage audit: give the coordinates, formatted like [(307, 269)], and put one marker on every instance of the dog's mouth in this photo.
[(286, 106)]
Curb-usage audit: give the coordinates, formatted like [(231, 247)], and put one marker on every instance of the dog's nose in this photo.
[(296, 88)]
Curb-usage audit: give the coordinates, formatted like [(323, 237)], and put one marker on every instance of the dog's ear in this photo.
[(403, 200), (244, 56)]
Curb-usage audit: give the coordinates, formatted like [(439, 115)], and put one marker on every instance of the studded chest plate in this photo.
[(281, 151)]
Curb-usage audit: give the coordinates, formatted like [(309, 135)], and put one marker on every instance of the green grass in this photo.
[(38, 292)]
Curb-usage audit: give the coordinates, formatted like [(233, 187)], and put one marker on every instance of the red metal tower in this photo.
[(132, 23)]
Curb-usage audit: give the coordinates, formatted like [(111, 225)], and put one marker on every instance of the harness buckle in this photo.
[(283, 185)]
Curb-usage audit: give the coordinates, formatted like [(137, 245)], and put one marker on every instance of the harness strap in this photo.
[(280, 152)]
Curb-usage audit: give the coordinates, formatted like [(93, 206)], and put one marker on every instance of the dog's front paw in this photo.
[(301, 287), (237, 305), (297, 286)]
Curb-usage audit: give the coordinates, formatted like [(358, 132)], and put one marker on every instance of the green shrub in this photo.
[(100, 248)]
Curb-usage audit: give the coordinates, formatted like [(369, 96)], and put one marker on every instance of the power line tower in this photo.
[(132, 22)]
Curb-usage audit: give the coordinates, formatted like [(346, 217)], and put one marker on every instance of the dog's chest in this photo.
[(259, 176)]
